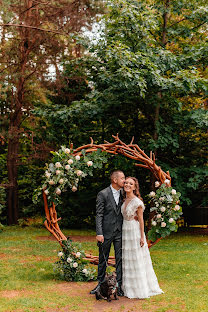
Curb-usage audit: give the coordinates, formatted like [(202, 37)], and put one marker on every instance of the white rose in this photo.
[(79, 173), (157, 205), (167, 181), (58, 165), (70, 161), (157, 184), (46, 192), (154, 223), (152, 194), (89, 163), (61, 181), (78, 254), (69, 260), (84, 271), (67, 167), (177, 207), (163, 224), (77, 157), (171, 220), (60, 254), (173, 192), (58, 172), (74, 189), (51, 182), (75, 264), (161, 198), (163, 209), (158, 215), (47, 174), (58, 191), (67, 150)]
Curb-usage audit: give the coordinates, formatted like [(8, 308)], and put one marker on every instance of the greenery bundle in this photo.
[(66, 171), (71, 265), (167, 210)]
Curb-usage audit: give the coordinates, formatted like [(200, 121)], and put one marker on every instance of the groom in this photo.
[(109, 227)]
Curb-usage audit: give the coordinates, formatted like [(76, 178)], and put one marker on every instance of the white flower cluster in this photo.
[(166, 207), (71, 266), (64, 173), (72, 263), (70, 260)]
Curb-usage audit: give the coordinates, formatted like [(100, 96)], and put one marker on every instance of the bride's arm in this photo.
[(141, 224)]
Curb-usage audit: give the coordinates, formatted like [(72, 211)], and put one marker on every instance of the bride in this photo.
[(139, 279)]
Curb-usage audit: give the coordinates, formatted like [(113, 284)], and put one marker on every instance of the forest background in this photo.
[(142, 72)]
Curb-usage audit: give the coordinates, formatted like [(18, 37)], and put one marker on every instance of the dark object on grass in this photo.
[(107, 288)]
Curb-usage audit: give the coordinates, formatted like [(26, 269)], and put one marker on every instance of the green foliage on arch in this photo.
[(65, 171), (167, 211)]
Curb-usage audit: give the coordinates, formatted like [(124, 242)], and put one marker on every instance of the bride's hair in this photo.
[(136, 191)]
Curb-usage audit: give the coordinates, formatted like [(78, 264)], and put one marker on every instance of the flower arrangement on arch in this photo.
[(65, 171), (167, 210), (71, 265)]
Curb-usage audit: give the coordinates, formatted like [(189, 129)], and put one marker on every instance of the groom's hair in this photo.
[(114, 174)]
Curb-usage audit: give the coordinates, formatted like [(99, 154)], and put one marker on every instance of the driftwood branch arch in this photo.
[(130, 150)]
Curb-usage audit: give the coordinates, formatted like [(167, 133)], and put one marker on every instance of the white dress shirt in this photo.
[(116, 194)]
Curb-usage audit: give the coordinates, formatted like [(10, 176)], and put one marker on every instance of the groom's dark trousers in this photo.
[(109, 224)]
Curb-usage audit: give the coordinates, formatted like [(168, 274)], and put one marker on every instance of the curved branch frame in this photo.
[(132, 151)]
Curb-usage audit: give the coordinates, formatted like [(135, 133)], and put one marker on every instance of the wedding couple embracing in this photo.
[(119, 220)]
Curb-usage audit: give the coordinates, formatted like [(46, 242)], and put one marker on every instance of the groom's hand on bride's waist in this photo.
[(100, 238)]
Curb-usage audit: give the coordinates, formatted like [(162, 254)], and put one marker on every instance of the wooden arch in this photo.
[(132, 151)]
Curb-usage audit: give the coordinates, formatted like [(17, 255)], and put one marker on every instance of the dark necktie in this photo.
[(119, 201)]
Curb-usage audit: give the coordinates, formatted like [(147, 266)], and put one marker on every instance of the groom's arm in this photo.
[(100, 207)]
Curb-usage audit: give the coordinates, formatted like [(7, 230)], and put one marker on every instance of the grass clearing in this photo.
[(28, 284)]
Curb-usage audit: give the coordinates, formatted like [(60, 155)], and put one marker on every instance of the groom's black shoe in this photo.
[(93, 291), (120, 292)]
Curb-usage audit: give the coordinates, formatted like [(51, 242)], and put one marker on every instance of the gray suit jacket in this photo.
[(108, 214)]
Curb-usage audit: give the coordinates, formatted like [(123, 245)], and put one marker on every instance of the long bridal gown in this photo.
[(139, 279)]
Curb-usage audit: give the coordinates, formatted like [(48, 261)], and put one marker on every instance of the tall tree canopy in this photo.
[(35, 35), (144, 74), (148, 76)]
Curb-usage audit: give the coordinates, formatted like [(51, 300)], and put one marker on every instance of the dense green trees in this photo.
[(145, 74), (35, 36)]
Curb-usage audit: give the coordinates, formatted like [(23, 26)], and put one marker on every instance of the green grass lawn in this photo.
[(28, 284)]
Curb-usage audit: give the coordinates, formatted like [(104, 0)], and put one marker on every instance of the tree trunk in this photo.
[(12, 193), (17, 103), (13, 151), (32, 22)]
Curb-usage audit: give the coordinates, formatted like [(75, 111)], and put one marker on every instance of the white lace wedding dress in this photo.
[(139, 279)]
